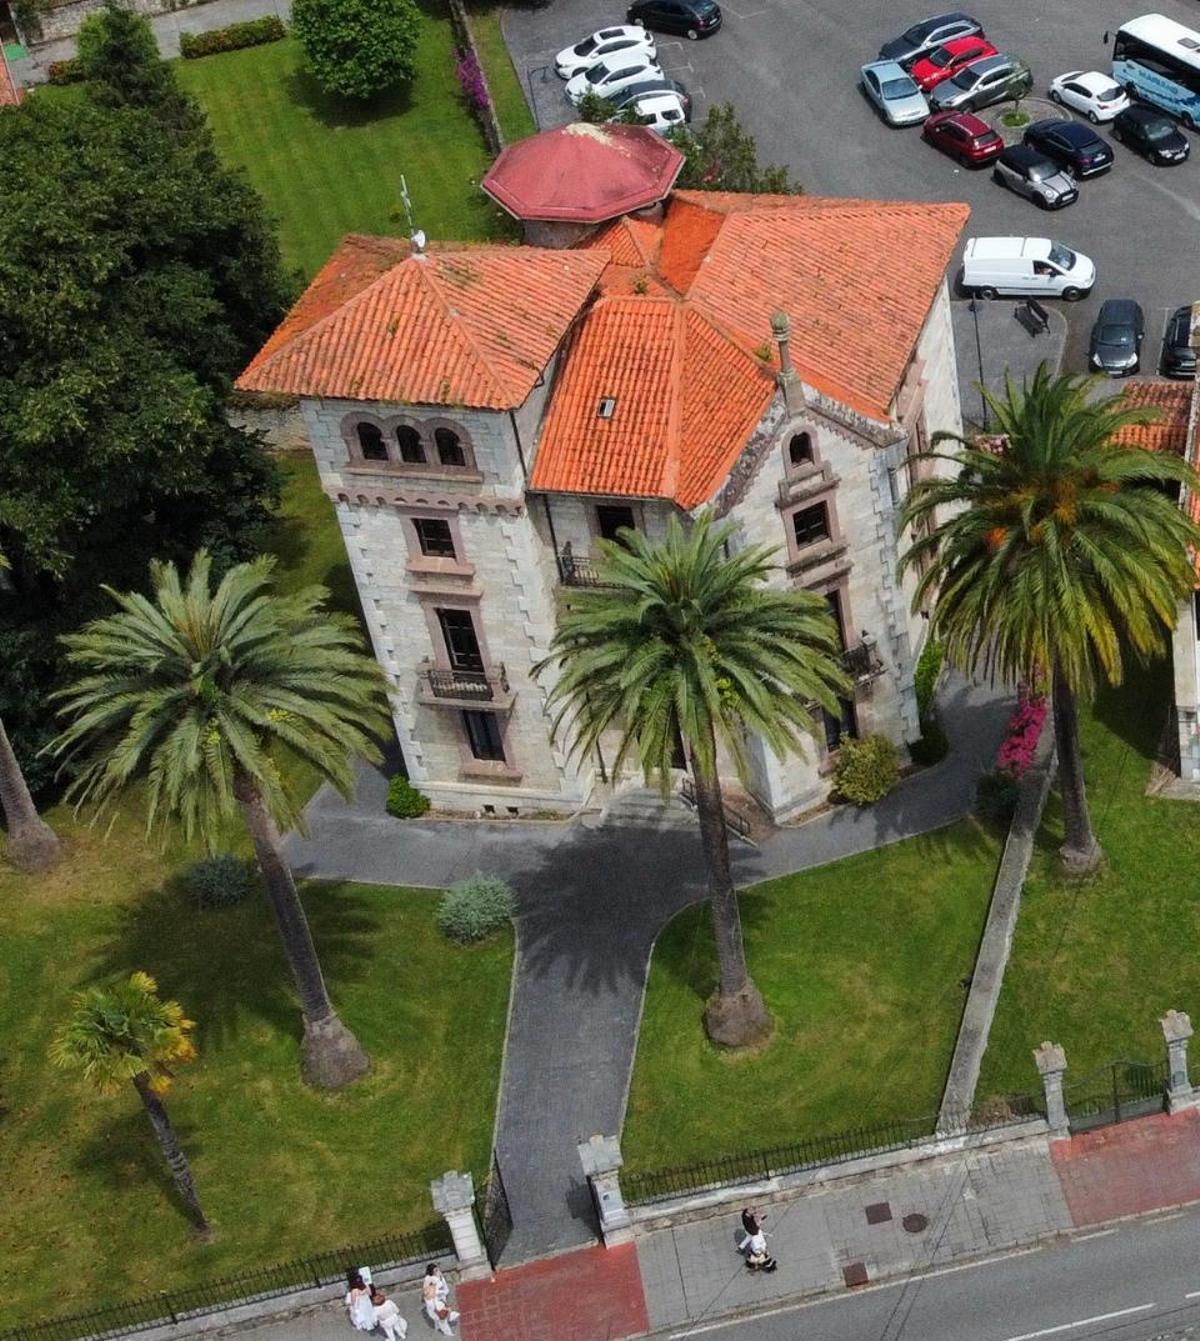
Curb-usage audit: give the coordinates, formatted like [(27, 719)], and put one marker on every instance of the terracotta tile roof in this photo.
[(466, 326), (1168, 433), (10, 93), (628, 241), (686, 399)]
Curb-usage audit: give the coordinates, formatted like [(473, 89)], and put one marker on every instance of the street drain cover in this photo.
[(915, 1222)]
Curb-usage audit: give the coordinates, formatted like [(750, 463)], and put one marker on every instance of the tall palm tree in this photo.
[(1054, 549), (686, 643), (125, 1032), (32, 844), (194, 691)]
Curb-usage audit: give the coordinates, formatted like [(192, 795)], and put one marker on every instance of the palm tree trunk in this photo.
[(735, 1015), (1080, 852), (177, 1161), (331, 1056), (32, 843)]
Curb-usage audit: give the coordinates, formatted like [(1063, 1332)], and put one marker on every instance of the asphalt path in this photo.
[(1137, 1281), (791, 69)]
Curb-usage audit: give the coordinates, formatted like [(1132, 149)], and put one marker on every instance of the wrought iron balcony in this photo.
[(578, 570), (861, 662), (441, 687)]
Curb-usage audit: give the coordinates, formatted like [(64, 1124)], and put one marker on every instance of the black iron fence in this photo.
[(753, 1166), (194, 1301), (1121, 1090)]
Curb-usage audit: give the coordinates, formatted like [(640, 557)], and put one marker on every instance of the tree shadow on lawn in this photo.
[(1135, 712), (336, 113), (289, 539), (226, 965), (125, 1152)]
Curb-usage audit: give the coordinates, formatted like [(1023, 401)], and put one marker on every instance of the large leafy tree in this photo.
[(358, 48), (1053, 549), (194, 692), (686, 643), (124, 1033), (722, 156)]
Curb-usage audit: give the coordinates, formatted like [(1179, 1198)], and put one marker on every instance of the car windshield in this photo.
[(1116, 335), (1041, 172), (588, 44), (1061, 256), (1109, 94), (1158, 131), (917, 32), (704, 8), (597, 74), (965, 78), (941, 58), (899, 88)]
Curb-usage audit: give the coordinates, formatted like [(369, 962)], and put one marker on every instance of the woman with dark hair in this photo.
[(358, 1303), (435, 1295)]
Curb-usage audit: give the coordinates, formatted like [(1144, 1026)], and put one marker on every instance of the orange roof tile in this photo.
[(687, 397), (470, 326), (627, 240), (1168, 433)]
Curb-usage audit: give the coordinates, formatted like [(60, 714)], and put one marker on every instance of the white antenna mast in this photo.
[(416, 235)]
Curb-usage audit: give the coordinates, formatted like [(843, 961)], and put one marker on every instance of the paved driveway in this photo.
[(791, 69)]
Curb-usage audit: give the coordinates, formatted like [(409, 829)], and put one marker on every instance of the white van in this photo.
[(1027, 266)]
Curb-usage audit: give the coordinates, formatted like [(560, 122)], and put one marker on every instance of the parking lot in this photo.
[(790, 67)]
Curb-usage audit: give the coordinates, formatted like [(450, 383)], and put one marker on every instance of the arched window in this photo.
[(411, 447), (371, 443), (449, 448), (800, 449)]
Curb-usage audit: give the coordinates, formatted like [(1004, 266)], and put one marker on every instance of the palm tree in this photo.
[(32, 843), (194, 691), (125, 1032), (1058, 550), (687, 644)]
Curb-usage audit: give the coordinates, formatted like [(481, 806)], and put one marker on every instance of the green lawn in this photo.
[(327, 167), (1094, 966), (512, 111), (861, 963)]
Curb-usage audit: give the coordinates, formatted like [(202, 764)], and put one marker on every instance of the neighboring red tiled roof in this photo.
[(583, 173), (1168, 433), (687, 397), (471, 326), (628, 241), (10, 93)]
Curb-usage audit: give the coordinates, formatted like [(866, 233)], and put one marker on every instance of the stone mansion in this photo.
[(482, 415)]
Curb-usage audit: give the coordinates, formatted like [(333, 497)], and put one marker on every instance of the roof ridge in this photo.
[(669, 480), (459, 324)]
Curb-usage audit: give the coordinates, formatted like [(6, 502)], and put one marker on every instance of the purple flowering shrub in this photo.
[(470, 76)]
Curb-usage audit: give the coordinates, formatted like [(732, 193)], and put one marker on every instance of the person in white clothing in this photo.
[(435, 1295), (358, 1304), (387, 1316)]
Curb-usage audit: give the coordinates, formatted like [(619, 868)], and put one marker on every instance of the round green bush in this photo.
[(403, 799), (475, 908), (219, 881), (867, 769), (996, 796), (358, 48)]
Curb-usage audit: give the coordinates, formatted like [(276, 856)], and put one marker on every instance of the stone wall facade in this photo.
[(59, 21)]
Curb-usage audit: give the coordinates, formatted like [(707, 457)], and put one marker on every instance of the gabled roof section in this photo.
[(471, 326), (1168, 433), (685, 398)]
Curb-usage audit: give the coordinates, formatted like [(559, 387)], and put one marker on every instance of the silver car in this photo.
[(894, 93), (1036, 177), (983, 82)]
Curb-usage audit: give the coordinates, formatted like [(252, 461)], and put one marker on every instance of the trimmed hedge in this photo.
[(65, 72), (252, 33), (403, 799)]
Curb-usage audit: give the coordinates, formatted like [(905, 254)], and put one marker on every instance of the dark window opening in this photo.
[(811, 525), (371, 443), (435, 537), (462, 646), (483, 735), (834, 601), (412, 449), (800, 449), (449, 448), (838, 728), (611, 520)]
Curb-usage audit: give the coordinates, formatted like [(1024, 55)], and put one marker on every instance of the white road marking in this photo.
[(1083, 1322), (1195, 1294), (1096, 1234)]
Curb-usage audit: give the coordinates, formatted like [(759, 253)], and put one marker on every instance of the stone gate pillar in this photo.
[(1052, 1064), (601, 1160), (1177, 1029), (454, 1197)]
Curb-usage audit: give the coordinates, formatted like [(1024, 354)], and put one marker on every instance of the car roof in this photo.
[(971, 123), (1118, 309), (957, 44), (1024, 155), (989, 247), (1144, 114), (986, 64), (886, 69), (1092, 79), (645, 86), (1074, 132), (652, 102)]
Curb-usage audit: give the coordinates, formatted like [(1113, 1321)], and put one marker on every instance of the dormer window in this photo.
[(607, 407), (371, 443), (800, 449)]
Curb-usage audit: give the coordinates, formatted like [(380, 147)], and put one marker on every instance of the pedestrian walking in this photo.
[(387, 1315), (752, 1222), (435, 1295), (358, 1303), (757, 1256)]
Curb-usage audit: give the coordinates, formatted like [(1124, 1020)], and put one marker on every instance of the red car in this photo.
[(963, 136), (947, 60)]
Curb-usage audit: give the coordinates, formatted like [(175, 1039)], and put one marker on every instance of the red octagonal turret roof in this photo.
[(583, 173)]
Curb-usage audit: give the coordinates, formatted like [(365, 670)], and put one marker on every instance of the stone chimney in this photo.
[(787, 378)]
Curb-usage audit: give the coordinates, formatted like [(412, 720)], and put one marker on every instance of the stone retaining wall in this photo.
[(59, 21)]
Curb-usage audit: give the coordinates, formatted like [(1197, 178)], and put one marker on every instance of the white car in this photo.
[(1090, 92), (660, 111), (612, 76), (627, 38)]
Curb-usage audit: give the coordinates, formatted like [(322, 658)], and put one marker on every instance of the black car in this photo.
[(692, 18), (648, 86), (1178, 356), (1072, 145), (1150, 134), (1117, 338), (927, 34)]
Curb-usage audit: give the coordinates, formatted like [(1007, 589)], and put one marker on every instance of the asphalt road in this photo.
[(1138, 1281), (791, 69)]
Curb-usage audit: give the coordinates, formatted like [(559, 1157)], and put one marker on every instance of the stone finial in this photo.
[(600, 1154), (1176, 1026), (787, 378), (1050, 1058), (452, 1192)]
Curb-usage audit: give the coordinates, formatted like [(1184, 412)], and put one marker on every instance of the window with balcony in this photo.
[(800, 449), (810, 525), (449, 447), (370, 443), (483, 735), (435, 537), (612, 520), (412, 449), (462, 644)]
